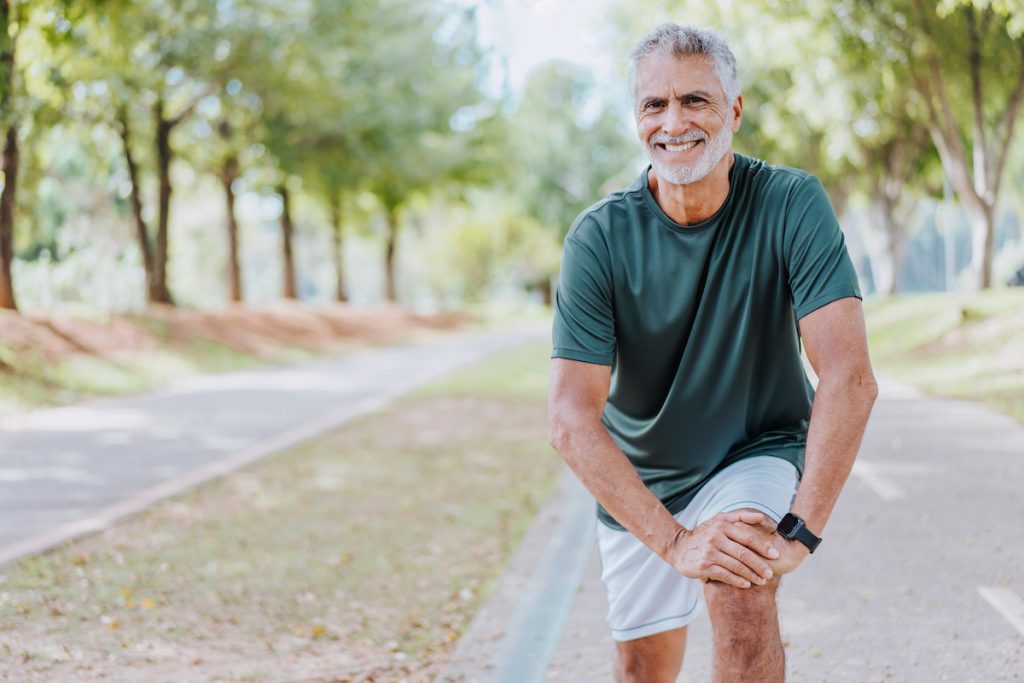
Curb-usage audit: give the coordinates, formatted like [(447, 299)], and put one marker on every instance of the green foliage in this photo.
[(963, 346), (571, 147), (488, 245)]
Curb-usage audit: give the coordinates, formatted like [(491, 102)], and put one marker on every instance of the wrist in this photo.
[(800, 547), (676, 543), (793, 528)]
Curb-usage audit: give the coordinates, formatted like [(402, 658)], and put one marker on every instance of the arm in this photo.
[(724, 548), (836, 345)]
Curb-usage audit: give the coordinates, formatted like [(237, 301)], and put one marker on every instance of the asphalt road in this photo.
[(920, 576), (69, 471)]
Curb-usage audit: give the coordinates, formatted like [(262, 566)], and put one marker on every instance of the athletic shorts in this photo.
[(646, 595)]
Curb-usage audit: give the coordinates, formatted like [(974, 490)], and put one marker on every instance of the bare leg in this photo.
[(654, 659), (745, 624)]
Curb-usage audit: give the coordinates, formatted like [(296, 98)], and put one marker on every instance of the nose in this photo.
[(676, 121)]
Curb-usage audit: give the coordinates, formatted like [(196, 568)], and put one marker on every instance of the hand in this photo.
[(730, 547), (791, 553)]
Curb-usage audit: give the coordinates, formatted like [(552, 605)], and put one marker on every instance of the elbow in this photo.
[(566, 426), (558, 431), (871, 388), (864, 386), (856, 382)]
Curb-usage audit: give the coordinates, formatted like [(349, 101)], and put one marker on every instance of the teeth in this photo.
[(683, 147)]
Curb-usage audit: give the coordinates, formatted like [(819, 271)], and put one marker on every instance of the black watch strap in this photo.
[(793, 528)]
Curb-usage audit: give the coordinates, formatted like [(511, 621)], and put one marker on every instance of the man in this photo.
[(677, 393)]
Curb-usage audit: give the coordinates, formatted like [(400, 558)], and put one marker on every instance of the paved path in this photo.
[(69, 471), (920, 576)]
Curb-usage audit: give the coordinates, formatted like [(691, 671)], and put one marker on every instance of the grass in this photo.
[(30, 380), (968, 346), (66, 356), (361, 555)]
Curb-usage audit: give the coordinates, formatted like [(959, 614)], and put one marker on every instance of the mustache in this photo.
[(689, 136)]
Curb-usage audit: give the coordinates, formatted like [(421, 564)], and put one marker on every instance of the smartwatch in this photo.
[(793, 528)]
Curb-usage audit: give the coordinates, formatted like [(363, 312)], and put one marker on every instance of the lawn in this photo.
[(359, 556), (61, 357), (968, 346)]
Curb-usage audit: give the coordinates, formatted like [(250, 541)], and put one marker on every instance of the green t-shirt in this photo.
[(699, 322)]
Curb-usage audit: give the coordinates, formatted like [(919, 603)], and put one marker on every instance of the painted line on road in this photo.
[(108, 516), (1006, 602), (868, 473)]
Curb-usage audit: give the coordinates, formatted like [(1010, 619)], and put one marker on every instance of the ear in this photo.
[(737, 113)]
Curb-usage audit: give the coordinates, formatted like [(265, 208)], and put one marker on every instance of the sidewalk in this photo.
[(69, 471), (919, 577)]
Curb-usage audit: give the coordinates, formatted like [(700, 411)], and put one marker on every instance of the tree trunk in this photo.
[(895, 213), (141, 231), (887, 270), (164, 126), (389, 255), (229, 172), (983, 232), (337, 232), (6, 57), (7, 205), (10, 161), (287, 258)]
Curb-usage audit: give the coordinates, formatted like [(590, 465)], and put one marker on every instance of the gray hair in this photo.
[(688, 41)]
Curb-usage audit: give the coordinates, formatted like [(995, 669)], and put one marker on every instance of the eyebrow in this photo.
[(696, 93)]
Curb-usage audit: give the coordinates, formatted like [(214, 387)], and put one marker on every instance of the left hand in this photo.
[(791, 553)]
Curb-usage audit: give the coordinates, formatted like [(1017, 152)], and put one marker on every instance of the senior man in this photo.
[(678, 395)]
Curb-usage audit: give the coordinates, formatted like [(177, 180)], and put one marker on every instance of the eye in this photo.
[(653, 104)]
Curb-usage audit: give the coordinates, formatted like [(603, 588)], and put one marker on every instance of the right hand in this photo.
[(726, 548)]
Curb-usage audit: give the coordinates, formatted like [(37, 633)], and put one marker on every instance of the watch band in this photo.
[(792, 527)]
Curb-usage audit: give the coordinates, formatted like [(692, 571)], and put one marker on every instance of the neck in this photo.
[(696, 202)]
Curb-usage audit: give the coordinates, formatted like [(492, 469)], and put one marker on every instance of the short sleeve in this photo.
[(817, 264), (584, 322)]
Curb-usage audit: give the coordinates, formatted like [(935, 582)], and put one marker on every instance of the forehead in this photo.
[(662, 74)]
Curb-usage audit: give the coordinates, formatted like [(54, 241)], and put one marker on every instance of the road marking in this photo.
[(1006, 603), (876, 481), (73, 474)]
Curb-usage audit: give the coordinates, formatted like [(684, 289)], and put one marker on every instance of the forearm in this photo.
[(838, 418), (588, 449)]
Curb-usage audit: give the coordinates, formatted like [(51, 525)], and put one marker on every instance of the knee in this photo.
[(741, 606)]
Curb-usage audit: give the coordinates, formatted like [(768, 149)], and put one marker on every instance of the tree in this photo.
[(11, 154), (975, 49), (420, 83), (155, 68), (561, 112)]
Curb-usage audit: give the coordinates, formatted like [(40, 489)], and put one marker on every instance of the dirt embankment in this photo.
[(59, 357), (258, 332)]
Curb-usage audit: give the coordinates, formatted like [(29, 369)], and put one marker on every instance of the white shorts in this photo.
[(646, 595)]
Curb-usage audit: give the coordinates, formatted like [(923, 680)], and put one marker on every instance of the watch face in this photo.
[(789, 524)]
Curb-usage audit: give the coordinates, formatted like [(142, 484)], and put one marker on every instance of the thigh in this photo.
[(763, 483), (646, 595)]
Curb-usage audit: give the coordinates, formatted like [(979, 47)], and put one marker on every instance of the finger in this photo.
[(752, 517), (719, 573), (755, 540), (737, 567), (759, 568)]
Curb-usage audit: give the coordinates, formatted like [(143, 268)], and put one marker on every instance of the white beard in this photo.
[(687, 174)]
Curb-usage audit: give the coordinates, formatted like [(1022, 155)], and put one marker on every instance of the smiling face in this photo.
[(683, 118)]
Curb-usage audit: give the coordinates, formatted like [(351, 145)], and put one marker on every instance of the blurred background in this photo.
[(202, 152), (192, 186)]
